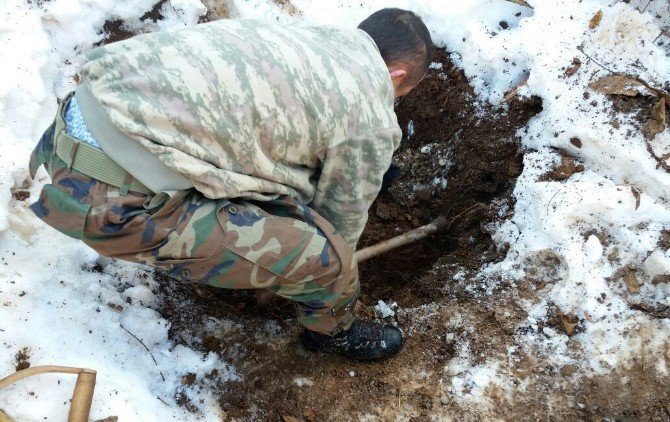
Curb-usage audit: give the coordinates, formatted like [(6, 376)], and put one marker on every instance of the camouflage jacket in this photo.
[(254, 110)]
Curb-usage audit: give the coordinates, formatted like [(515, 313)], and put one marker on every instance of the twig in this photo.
[(467, 210), (162, 401), (659, 36), (594, 60), (145, 346), (659, 160), (453, 204), (645, 7), (659, 92), (552, 198), (396, 272)]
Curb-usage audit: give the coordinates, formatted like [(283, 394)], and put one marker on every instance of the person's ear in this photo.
[(398, 75)]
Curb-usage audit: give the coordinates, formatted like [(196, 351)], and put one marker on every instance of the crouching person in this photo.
[(242, 155)]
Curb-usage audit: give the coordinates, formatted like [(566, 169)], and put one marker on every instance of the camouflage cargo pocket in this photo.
[(61, 211), (190, 241), (285, 246)]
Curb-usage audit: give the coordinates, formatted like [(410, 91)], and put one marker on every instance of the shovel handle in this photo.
[(411, 236)]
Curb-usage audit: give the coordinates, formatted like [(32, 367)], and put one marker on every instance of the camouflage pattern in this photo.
[(281, 245), (253, 110)]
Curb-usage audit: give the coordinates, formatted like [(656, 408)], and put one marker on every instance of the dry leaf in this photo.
[(512, 91), (217, 9), (658, 92), (521, 3), (631, 280), (576, 63), (636, 194), (661, 278), (569, 322), (567, 168), (287, 418), (618, 85), (595, 20), (656, 122), (288, 7)]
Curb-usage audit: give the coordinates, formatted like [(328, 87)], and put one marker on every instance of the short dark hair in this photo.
[(401, 36)]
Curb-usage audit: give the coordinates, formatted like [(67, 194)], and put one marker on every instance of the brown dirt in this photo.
[(20, 195), (473, 147), (22, 359)]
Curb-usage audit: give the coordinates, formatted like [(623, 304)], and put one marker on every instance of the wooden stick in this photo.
[(82, 396), (36, 370), (4, 417), (412, 236)]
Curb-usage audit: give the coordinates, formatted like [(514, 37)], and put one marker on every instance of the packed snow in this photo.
[(60, 310)]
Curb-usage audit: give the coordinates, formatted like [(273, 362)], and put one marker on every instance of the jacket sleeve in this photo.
[(350, 179)]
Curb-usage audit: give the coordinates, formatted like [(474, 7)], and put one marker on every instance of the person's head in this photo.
[(404, 43)]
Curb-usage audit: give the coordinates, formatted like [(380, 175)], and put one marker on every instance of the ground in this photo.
[(461, 157)]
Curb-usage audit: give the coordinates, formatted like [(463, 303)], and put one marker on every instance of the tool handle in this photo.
[(403, 239), (83, 389)]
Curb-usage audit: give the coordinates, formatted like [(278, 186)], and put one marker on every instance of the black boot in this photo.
[(365, 340)]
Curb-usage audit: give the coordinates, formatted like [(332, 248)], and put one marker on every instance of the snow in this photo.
[(410, 129), (385, 310), (53, 304), (303, 382), (587, 226)]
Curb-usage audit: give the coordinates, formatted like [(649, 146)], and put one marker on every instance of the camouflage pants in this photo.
[(280, 245)]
